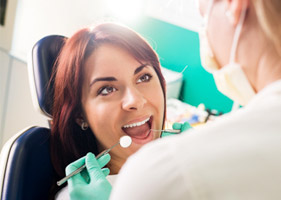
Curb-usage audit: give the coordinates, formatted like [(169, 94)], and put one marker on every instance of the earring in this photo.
[(84, 126)]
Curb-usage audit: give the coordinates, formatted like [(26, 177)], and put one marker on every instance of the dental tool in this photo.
[(124, 141), (167, 130)]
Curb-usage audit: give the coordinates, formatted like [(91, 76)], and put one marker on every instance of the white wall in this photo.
[(6, 31), (38, 18), (184, 13), (19, 111), (4, 71)]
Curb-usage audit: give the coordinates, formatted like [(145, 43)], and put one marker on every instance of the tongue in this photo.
[(138, 131)]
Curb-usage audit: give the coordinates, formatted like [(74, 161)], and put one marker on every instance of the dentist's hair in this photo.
[(68, 141), (269, 16)]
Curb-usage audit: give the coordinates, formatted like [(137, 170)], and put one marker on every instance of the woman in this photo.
[(237, 156), (108, 83)]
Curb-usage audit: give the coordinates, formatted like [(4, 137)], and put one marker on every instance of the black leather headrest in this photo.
[(44, 55), (29, 171)]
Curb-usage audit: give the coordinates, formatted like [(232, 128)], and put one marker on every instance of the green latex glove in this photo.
[(177, 126), (97, 186)]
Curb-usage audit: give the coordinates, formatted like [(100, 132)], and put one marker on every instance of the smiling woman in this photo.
[(135, 101), (108, 84)]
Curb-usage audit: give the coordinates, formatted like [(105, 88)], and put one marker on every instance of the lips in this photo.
[(139, 131)]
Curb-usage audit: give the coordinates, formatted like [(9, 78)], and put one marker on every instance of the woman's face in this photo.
[(120, 97)]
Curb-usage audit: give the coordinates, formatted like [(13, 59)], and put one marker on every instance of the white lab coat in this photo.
[(236, 157), (64, 195)]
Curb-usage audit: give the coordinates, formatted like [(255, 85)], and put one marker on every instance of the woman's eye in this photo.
[(144, 78), (106, 90)]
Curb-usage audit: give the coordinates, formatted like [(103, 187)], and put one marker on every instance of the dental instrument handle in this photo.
[(172, 130), (168, 130), (62, 181)]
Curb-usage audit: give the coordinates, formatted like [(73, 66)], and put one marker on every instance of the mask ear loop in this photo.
[(204, 23), (208, 13), (236, 37), (237, 33)]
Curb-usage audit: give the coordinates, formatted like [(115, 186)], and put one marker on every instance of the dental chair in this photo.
[(26, 168)]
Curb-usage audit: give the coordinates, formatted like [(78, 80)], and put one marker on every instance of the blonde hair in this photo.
[(269, 17)]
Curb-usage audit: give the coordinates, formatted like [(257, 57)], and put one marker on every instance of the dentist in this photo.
[(239, 155)]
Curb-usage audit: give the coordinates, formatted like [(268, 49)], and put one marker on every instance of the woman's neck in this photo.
[(268, 69), (115, 165), (257, 55)]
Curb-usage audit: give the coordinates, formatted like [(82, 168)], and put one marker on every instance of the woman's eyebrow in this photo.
[(140, 68), (103, 79), (111, 78)]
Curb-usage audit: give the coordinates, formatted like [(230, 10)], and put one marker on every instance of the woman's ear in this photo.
[(80, 121), (234, 9)]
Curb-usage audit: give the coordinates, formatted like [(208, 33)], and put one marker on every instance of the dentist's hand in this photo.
[(177, 126), (97, 187)]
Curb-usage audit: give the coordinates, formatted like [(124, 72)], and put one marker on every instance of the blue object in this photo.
[(44, 55), (25, 159), (193, 120), (28, 172)]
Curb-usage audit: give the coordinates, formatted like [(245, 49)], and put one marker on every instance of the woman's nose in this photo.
[(133, 100)]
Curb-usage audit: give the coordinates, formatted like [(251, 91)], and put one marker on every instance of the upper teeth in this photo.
[(136, 124)]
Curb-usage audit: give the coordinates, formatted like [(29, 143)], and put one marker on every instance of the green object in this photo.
[(95, 186), (177, 126)]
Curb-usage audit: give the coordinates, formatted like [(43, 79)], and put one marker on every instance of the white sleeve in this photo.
[(148, 173)]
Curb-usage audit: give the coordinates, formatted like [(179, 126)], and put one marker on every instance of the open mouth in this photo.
[(139, 131)]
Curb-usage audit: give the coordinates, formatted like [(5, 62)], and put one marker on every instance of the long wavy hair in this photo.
[(269, 16), (68, 141)]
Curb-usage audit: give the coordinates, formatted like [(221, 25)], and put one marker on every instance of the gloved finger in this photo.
[(105, 171), (76, 179), (74, 165), (93, 167), (165, 134), (177, 126), (103, 160), (185, 126)]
